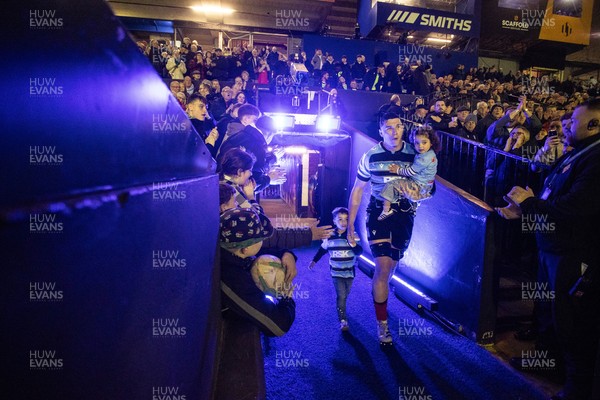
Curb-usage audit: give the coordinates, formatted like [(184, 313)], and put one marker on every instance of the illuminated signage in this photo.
[(427, 19)]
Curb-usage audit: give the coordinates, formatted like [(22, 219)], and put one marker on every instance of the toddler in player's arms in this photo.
[(416, 180)]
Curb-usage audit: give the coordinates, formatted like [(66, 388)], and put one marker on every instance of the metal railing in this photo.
[(484, 171)]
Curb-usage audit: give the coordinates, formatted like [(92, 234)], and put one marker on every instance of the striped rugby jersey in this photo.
[(374, 164), (342, 256)]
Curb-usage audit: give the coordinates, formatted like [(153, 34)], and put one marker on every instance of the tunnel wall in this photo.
[(450, 256), (108, 217)]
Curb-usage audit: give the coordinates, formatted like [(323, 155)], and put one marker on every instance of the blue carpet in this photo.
[(317, 361)]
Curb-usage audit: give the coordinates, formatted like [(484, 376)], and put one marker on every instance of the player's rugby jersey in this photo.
[(374, 165)]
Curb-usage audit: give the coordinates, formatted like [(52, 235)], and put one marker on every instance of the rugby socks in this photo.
[(381, 310)]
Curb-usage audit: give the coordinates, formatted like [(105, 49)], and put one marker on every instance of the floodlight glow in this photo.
[(438, 40), (283, 121), (296, 150), (213, 9), (327, 123)]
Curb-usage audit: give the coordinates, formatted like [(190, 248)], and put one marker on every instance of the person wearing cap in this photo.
[(461, 115), (483, 124), (241, 235), (467, 129)]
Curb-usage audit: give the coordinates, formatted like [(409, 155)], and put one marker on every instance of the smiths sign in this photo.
[(425, 19)]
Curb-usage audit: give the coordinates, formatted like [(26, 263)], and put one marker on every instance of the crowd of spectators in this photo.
[(477, 103)]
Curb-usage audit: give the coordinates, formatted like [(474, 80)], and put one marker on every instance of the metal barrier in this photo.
[(484, 171)]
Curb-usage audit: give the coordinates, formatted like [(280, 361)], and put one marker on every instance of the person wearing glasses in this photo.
[(389, 238)]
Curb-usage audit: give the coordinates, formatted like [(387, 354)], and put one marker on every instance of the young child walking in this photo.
[(342, 260), (416, 180)]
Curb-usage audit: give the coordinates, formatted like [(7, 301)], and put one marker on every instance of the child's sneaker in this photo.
[(344, 326), (385, 338), (386, 214)]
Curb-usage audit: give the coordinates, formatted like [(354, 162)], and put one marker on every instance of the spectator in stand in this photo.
[(353, 84), (498, 132), (228, 125), (342, 85), (188, 87), (359, 69), (205, 90), (219, 104), (255, 143), (281, 67), (395, 81), (375, 79), (273, 57), (482, 125), (324, 82), (345, 68), (334, 105), (198, 113), (196, 79), (219, 66), (420, 80), (317, 61), (328, 65), (553, 146), (439, 120), (482, 110), (264, 72), (182, 100), (393, 107), (174, 87), (154, 54), (416, 119), (462, 113), (176, 66), (468, 128), (459, 72), (240, 98), (253, 64)]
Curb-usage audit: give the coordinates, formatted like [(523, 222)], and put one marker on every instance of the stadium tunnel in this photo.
[(93, 207)]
